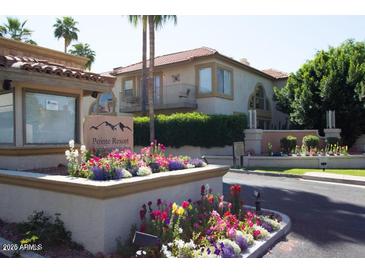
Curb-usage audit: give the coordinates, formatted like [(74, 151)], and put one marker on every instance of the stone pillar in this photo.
[(253, 139), (332, 132)]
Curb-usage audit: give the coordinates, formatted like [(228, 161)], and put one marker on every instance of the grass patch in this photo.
[(302, 171)]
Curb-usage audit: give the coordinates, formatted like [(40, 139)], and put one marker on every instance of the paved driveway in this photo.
[(328, 220)]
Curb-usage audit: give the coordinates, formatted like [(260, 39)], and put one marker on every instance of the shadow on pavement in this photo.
[(313, 216)]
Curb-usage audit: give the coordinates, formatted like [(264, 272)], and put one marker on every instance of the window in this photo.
[(128, 87), (259, 100), (157, 97), (205, 80), (6, 118), (224, 81), (49, 119)]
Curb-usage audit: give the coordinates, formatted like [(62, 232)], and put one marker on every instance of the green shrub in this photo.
[(191, 129), (310, 141), (288, 144), (333, 141)]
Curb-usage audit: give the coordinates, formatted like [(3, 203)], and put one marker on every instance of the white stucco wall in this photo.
[(244, 83)]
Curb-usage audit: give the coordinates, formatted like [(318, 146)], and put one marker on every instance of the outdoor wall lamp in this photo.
[(7, 85), (258, 201)]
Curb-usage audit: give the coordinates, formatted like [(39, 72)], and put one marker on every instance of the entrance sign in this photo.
[(108, 132)]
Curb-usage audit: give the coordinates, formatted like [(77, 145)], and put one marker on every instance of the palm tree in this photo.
[(85, 51), (66, 28), (14, 29), (135, 20), (154, 22)]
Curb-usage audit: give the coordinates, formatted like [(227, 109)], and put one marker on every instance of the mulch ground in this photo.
[(9, 231), (59, 170)]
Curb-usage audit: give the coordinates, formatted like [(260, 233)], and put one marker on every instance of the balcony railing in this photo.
[(167, 97)]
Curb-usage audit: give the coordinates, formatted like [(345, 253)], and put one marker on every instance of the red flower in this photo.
[(235, 190), (211, 199), (164, 216), (185, 204), (227, 213), (156, 214), (143, 227), (256, 233)]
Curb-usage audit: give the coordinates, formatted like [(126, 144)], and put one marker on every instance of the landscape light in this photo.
[(258, 201)]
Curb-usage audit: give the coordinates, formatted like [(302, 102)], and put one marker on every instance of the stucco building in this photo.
[(41, 103), (201, 80)]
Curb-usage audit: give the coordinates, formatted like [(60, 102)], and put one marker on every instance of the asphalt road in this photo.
[(328, 219)]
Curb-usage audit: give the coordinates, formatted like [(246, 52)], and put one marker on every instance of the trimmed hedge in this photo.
[(310, 141), (288, 144), (191, 129)]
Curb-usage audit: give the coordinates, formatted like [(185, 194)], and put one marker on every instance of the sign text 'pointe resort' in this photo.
[(102, 131)]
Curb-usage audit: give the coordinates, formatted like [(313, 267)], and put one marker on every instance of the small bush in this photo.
[(310, 141), (333, 141), (191, 129), (288, 144)]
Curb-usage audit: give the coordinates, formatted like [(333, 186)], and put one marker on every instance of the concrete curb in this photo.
[(21, 254), (260, 248), (307, 177)]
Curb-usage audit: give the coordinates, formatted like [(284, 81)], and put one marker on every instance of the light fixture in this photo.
[(7, 84)]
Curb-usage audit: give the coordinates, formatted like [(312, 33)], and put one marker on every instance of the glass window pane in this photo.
[(6, 118), (205, 80), (227, 82), (49, 118), (128, 88), (220, 81), (105, 104), (156, 96)]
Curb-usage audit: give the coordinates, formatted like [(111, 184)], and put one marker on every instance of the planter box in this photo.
[(351, 161), (97, 212)]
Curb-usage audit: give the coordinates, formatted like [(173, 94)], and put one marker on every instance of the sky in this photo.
[(280, 42)]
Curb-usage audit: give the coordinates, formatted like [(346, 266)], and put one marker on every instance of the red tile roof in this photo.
[(171, 58), (189, 55), (276, 73), (45, 66)]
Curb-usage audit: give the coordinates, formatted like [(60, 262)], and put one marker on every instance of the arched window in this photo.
[(259, 101), (104, 104)]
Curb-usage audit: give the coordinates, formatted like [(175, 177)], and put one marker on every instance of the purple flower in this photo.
[(242, 243), (118, 174), (100, 174), (208, 251), (227, 252), (266, 226), (208, 232), (217, 251), (176, 165), (197, 162)]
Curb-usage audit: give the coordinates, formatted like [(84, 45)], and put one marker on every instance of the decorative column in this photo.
[(253, 137), (331, 130)]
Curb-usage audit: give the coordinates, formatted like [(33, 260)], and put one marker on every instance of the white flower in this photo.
[(190, 166), (180, 230), (144, 171), (141, 252), (76, 153), (67, 153), (71, 143), (165, 251), (126, 173), (83, 148)]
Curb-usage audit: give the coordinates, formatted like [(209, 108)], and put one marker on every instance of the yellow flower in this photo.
[(180, 211), (190, 207), (174, 207)]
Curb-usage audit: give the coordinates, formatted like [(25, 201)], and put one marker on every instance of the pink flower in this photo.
[(185, 204), (256, 233)]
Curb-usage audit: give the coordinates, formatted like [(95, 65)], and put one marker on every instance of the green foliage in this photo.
[(310, 141), (16, 30), (333, 141), (191, 129), (333, 80), (48, 230), (288, 144), (84, 50)]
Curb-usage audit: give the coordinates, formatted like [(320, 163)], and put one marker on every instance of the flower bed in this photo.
[(209, 227), (118, 164)]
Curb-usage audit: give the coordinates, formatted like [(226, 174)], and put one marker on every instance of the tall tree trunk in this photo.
[(65, 46), (144, 66), (151, 85)]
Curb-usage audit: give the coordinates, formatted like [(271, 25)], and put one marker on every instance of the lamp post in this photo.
[(258, 201)]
